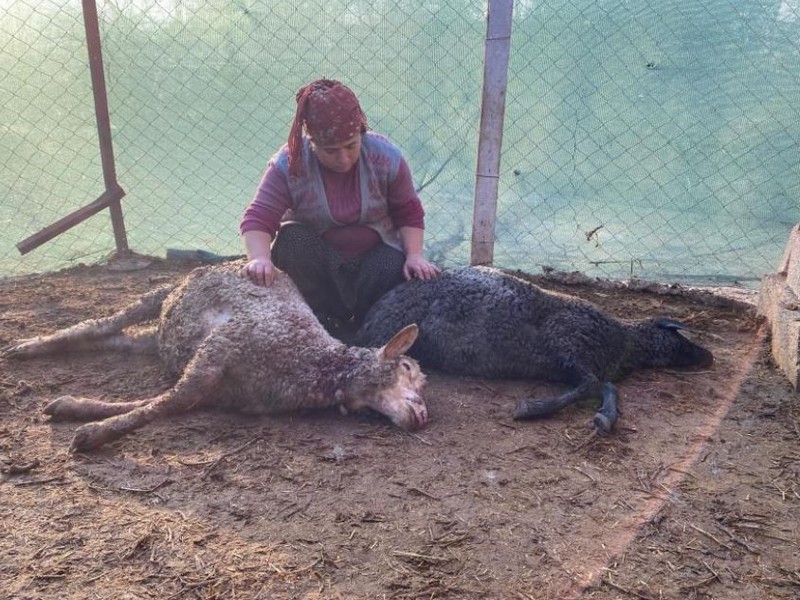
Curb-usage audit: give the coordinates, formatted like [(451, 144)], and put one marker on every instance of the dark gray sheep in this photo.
[(233, 344), (484, 322)]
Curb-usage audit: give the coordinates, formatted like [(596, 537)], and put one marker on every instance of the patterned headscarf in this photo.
[(330, 113)]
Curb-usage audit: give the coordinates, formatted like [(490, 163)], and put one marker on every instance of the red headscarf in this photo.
[(330, 113)]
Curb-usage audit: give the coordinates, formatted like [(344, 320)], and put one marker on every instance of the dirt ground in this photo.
[(696, 494)]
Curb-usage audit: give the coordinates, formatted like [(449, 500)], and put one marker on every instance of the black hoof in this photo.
[(602, 424), (608, 414)]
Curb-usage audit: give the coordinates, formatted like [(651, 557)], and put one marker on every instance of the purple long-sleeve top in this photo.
[(348, 237)]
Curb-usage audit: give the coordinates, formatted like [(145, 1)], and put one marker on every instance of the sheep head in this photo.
[(663, 345), (388, 382)]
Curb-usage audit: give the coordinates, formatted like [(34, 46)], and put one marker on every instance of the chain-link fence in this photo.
[(653, 139)]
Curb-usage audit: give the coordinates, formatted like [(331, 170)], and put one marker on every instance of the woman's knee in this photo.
[(296, 243), (293, 234)]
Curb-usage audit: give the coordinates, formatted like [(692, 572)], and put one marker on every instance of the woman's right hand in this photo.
[(261, 271)]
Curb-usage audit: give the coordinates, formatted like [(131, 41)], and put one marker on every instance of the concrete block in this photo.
[(779, 302)]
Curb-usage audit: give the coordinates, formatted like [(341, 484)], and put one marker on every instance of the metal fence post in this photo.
[(113, 193), (495, 79)]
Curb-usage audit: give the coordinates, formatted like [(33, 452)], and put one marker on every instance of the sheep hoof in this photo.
[(22, 349), (608, 413), (602, 424), (61, 409), (92, 435)]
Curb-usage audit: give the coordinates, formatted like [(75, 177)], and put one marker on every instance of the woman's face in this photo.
[(339, 157)]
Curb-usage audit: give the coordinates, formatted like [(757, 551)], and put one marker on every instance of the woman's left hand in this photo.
[(417, 266)]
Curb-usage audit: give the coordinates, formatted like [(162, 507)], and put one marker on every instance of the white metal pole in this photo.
[(495, 80)]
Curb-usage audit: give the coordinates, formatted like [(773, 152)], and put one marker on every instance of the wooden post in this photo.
[(495, 80)]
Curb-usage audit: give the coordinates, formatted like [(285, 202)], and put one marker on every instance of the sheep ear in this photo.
[(665, 323), (401, 342)]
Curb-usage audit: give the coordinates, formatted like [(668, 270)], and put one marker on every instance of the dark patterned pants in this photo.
[(332, 286)]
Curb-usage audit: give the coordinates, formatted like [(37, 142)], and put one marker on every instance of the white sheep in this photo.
[(236, 345)]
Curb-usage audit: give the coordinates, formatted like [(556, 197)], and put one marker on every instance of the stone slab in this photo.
[(779, 303)]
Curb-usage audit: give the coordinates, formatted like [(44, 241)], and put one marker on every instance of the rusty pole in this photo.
[(113, 193), (93, 44)]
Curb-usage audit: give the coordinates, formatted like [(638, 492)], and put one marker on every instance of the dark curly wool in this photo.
[(484, 322)]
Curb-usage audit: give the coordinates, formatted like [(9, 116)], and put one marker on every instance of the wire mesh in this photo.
[(656, 140)]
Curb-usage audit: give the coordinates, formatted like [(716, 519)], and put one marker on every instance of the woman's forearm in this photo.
[(412, 238), (257, 244)]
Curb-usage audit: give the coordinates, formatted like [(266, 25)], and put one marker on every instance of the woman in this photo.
[(336, 209)]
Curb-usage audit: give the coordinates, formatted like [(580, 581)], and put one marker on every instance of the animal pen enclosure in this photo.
[(693, 495), (655, 140)]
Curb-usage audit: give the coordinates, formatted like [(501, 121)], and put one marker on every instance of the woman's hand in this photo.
[(261, 271), (417, 266)]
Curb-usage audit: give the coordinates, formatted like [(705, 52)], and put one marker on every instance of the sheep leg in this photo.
[(71, 408), (89, 335), (604, 418), (194, 390), (535, 409)]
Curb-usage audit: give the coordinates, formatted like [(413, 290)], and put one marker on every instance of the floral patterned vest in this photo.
[(377, 167)]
